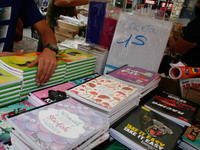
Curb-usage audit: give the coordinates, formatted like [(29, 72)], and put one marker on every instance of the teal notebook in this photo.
[(10, 110)]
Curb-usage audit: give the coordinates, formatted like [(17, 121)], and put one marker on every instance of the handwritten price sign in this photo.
[(139, 41)]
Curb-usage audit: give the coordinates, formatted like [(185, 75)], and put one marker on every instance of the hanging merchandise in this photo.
[(96, 16), (110, 23)]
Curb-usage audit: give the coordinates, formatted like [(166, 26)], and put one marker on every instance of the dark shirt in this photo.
[(192, 34), (10, 11), (53, 12)]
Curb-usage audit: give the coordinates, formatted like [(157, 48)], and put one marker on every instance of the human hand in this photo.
[(18, 53), (47, 63)]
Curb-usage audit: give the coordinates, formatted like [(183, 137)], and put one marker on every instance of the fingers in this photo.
[(45, 70), (19, 52), (43, 74), (40, 72), (47, 63), (51, 72), (33, 63)]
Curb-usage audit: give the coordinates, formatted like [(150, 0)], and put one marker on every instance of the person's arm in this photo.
[(180, 46), (46, 61), (19, 30), (18, 53), (67, 3)]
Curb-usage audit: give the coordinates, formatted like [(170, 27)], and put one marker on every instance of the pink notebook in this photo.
[(51, 94)]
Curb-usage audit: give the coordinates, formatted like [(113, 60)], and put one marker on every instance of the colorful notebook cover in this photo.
[(73, 55), (11, 110), (53, 93), (143, 129), (135, 75), (178, 109), (19, 63), (185, 85), (7, 78), (192, 134), (85, 79), (104, 91), (61, 125)]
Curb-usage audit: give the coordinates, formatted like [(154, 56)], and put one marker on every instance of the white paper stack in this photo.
[(109, 98), (101, 54)]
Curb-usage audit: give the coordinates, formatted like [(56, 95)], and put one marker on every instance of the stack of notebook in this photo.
[(9, 87), (101, 54), (79, 64), (108, 97), (50, 94), (66, 124), (10, 110), (17, 65), (143, 129), (145, 80), (85, 79)]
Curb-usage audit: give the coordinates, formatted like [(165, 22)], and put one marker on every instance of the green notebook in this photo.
[(7, 79), (73, 56)]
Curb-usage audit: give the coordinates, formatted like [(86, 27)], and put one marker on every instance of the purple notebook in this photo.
[(138, 76)]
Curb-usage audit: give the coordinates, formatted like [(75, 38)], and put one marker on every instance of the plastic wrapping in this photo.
[(96, 16), (102, 20), (139, 41), (109, 26)]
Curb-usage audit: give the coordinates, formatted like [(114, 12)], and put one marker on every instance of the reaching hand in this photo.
[(47, 63), (18, 53)]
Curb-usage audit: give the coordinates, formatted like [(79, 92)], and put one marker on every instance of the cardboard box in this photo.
[(67, 25), (193, 95), (170, 86), (60, 38), (65, 32)]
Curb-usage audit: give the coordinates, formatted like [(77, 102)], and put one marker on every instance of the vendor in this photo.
[(188, 44)]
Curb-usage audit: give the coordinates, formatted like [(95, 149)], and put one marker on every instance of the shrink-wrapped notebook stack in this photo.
[(79, 64), (66, 124), (108, 97), (101, 54), (10, 86), (145, 80), (17, 65)]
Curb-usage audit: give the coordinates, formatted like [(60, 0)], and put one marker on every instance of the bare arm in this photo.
[(19, 52), (180, 46), (67, 3), (46, 61)]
